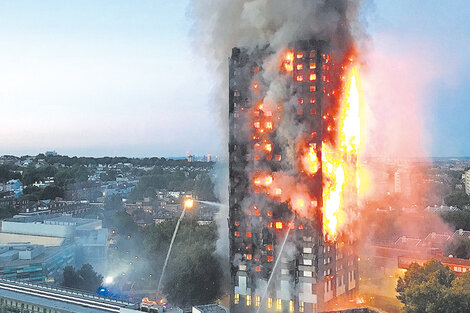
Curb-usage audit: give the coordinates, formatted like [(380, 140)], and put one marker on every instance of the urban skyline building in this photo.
[(467, 182), (311, 270)]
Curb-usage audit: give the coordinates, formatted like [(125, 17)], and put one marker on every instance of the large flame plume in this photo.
[(336, 159), (340, 166)]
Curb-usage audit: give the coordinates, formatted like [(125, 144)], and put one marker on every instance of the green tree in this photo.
[(460, 292), (194, 273), (460, 219), (457, 199), (69, 175), (90, 279), (193, 276), (7, 172), (123, 223), (459, 248), (52, 192), (85, 278), (113, 202), (32, 193), (204, 188), (433, 288), (32, 174), (7, 211), (69, 276)]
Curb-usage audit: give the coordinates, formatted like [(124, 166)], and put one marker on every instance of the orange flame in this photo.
[(310, 162), (288, 63), (263, 180), (340, 166)]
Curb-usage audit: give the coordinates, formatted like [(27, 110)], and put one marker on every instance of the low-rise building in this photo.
[(87, 238), (35, 263), (467, 182), (457, 265), (15, 186), (28, 207)]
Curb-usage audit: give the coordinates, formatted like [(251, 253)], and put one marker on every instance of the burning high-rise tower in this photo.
[(293, 163)]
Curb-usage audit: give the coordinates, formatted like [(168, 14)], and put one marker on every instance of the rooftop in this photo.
[(45, 254), (6, 238), (53, 219), (210, 308)]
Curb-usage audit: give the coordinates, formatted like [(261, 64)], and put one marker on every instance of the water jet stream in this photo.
[(169, 250), (274, 268), (212, 203)]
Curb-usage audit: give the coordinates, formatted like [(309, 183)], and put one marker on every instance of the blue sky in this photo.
[(119, 77)]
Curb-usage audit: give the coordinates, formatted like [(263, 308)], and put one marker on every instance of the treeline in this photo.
[(30, 175), (457, 199), (34, 193), (8, 172), (459, 219), (154, 161)]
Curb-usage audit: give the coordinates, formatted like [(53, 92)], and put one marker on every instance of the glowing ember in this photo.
[(268, 180), (268, 147)]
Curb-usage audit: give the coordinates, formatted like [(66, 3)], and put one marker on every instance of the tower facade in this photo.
[(280, 260)]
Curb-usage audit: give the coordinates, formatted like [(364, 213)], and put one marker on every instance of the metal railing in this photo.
[(80, 294)]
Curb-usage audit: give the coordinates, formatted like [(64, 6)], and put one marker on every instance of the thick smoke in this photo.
[(221, 25)]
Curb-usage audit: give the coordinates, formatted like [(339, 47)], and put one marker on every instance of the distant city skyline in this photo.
[(120, 78)]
